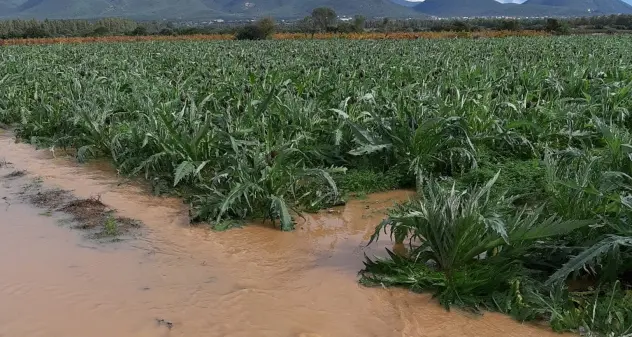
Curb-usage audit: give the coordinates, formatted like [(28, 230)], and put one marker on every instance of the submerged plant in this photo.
[(254, 186), (110, 227), (468, 236)]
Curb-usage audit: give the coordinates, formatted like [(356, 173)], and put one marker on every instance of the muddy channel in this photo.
[(171, 279)]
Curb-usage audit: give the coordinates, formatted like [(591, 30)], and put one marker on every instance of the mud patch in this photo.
[(90, 215)]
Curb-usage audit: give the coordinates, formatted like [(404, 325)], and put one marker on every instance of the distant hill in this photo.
[(462, 8), (448, 8), (536, 11), (586, 6), (288, 9), (61, 9), (196, 9)]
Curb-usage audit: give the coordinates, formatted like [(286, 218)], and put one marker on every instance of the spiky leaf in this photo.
[(185, 169), (280, 208)]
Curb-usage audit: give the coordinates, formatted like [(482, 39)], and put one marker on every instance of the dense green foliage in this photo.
[(54, 28), (520, 150), (261, 30)]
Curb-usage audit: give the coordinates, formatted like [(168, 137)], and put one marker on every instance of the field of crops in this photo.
[(520, 150)]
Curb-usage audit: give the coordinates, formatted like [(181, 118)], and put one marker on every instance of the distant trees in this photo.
[(556, 26), (261, 30), (35, 32), (323, 18), (139, 31), (386, 26), (306, 25), (166, 31), (267, 26), (100, 31), (66, 28), (354, 26), (512, 25), (454, 26), (358, 23)]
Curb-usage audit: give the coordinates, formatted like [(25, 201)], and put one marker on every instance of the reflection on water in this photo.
[(254, 281)]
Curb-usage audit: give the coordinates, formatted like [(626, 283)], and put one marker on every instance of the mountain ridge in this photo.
[(187, 9), (597, 6), (291, 9), (462, 8), (444, 8)]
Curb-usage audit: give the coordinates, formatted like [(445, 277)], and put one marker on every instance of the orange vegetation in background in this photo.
[(410, 35), (279, 36)]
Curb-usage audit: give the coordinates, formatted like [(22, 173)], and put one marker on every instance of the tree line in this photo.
[(321, 20)]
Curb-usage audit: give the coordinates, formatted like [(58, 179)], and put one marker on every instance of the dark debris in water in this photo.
[(91, 214), (16, 174), (164, 322), (49, 199), (4, 163), (86, 211)]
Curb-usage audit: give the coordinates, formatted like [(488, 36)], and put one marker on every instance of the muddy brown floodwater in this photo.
[(248, 282)]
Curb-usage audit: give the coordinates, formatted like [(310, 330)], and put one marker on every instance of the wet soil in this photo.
[(179, 280)]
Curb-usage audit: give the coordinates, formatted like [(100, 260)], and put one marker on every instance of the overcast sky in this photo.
[(515, 1)]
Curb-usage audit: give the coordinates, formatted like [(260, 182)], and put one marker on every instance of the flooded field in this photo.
[(177, 280)]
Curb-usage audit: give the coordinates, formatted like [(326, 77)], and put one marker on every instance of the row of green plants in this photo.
[(519, 149)]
